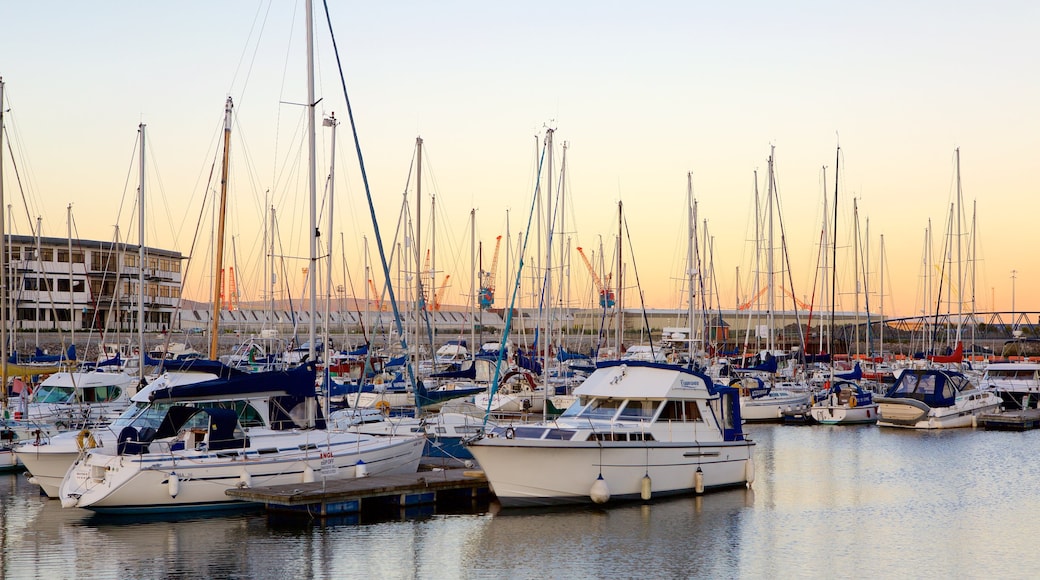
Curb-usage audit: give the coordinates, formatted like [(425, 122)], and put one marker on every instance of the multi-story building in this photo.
[(58, 284)]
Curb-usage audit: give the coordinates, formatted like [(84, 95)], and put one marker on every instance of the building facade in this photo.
[(62, 284)]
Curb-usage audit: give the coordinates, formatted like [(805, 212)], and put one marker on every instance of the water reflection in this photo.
[(845, 502)]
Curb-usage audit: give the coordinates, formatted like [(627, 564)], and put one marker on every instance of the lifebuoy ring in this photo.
[(85, 440), (383, 406), (852, 401)]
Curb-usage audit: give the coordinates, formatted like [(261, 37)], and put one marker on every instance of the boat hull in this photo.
[(144, 483), (773, 408), (544, 472), (908, 414), (844, 415)]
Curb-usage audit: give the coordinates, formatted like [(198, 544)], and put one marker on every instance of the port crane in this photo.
[(487, 280), (606, 293)]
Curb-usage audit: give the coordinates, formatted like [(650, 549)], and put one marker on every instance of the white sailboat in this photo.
[(844, 401), (192, 442)]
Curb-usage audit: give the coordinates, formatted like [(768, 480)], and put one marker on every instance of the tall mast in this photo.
[(834, 255), (218, 256), (329, 121), (619, 330), (960, 279), (312, 175), (546, 333), (140, 262), (3, 262), (690, 223), (881, 283), (72, 295), (419, 302), (770, 279), (473, 285)]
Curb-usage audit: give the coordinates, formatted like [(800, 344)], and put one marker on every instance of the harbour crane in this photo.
[(606, 293), (440, 293), (487, 280), (375, 295)]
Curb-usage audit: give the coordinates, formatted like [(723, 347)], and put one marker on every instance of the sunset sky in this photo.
[(641, 95)]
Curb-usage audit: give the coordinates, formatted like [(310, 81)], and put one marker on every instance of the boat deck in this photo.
[(347, 496)]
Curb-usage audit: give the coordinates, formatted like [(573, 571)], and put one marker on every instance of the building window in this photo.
[(47, 254)]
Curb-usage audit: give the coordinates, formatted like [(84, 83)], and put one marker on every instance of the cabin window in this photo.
[(101, 394), (638, 411), (681, 411), (561, 434)]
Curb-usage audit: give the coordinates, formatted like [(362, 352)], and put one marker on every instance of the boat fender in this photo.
[(599, 493), (698, 481), (174, 485), (69, 501), (85, 440), (510, 433), (245, 480), (645, 488), (749, 472), (360, 469), (308, 474)]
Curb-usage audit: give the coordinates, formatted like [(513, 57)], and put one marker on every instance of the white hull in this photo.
[(526, 402), (543, 472), (7, 460), (894, 415), (844, 415), (773, 406), (47, 467), (190, 480)]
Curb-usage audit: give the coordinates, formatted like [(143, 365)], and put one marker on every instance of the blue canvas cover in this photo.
[(297, 382), (932, 387)]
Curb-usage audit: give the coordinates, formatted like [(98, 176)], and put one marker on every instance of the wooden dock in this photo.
[(1019, 420), (349, 496)]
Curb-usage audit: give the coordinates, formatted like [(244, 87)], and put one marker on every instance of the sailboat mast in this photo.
[(770, 277), (3, 262), (140, 261), (960, 262), (620, 328), (834, 255), (312, 176), (419, 302), (473, 279), (329, 121), (72, 295), (690, 235), (218, 256)]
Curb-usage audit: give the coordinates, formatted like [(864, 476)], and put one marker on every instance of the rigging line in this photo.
[(21, 190), (371, 205), (516, 289), (787, 261), (642, 304)]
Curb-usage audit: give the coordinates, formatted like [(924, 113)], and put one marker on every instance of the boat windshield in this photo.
[(601, 409), (127, 418), (54, 394), (575, 408)]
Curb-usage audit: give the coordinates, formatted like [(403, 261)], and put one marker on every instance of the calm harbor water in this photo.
[(828, 502)]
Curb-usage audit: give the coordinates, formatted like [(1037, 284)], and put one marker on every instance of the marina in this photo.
[(269, 373), (857, 499)]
